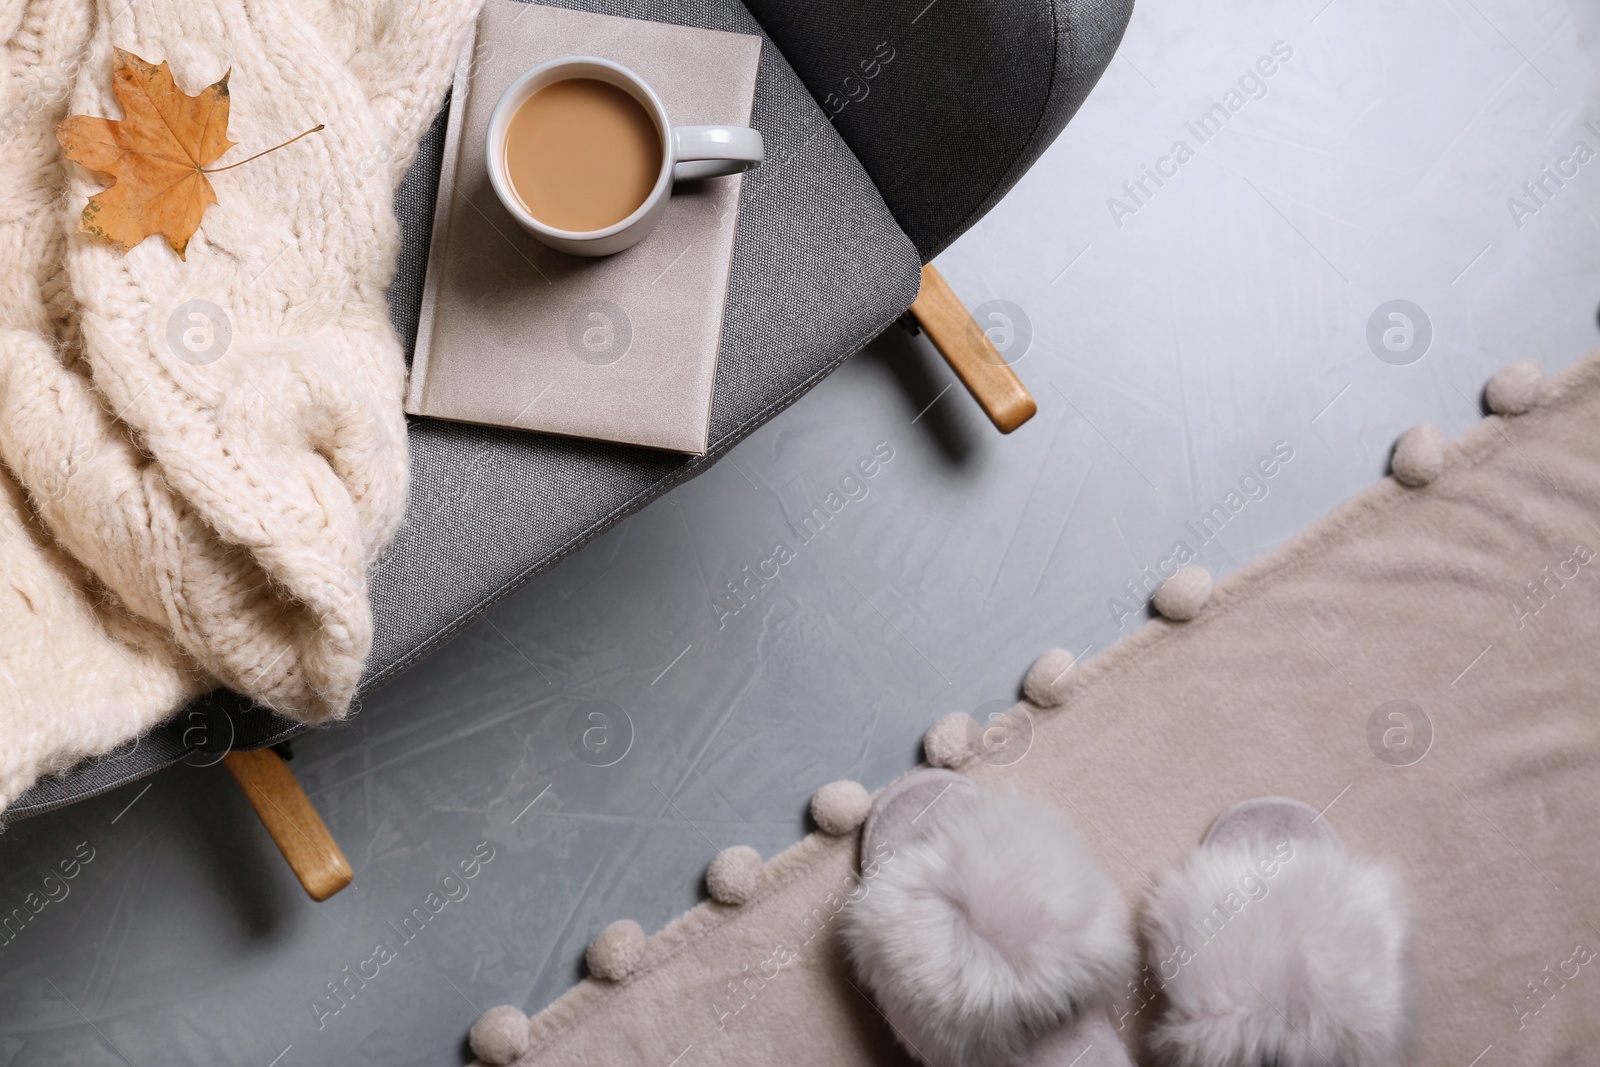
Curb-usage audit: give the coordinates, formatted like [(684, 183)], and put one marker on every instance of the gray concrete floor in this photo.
[(611, 727)]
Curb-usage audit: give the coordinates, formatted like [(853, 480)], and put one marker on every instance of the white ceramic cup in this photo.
[(687, 153)]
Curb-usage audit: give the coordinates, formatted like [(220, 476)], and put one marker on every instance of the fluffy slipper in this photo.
[(987, 932), (1276, 946)]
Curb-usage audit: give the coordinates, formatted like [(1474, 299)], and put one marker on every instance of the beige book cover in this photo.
[(618, 348)]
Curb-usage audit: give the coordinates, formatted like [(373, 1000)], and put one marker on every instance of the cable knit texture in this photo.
[(170, 524)]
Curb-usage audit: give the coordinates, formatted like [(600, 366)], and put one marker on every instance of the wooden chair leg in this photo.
[(294, 824), (970, 353)]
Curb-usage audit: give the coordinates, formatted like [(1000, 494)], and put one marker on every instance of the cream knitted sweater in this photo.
[(191, 493)]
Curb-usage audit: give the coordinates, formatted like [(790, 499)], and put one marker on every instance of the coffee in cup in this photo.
[(581, 153)]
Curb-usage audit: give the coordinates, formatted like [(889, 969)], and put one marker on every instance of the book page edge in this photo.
[(416, 388), (727, 275)]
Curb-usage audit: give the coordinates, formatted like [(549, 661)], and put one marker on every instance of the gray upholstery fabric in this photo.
[(975, 92), (819, 268)]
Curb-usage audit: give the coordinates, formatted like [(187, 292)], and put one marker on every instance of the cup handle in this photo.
[(712, 151)]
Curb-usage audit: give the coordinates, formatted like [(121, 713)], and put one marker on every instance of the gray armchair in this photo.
[(891, 127)]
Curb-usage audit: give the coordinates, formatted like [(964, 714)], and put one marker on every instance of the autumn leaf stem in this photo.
[(258, 155)]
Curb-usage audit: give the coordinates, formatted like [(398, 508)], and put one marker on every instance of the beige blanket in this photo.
[(1476, 598)]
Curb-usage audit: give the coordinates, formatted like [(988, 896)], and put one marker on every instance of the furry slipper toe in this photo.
[(1270, 819), (1276, 946), (988, 933)]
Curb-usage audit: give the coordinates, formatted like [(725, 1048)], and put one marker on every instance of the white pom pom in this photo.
[(734, 877), (948, 742), (1516, 388), (994, 925), (840, 807), (501, 1036), (1326, 942), (1418, 455), (616, 950), (1050, 679), (1181, 597)]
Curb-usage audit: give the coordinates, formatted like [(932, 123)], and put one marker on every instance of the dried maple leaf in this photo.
[(157, 154)]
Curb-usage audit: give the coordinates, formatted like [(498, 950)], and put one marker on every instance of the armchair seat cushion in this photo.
[(819, 268)]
